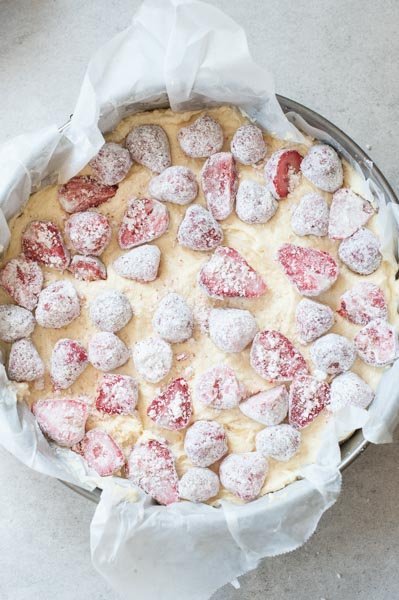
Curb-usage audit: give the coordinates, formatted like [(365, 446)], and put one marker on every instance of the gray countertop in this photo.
[(340, 58)]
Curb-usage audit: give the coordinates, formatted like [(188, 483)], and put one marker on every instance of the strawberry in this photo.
[(68, 361), (112, 164), (83, 192), (349, 389), (244, 474), (310, 271), (205, 443), (107, 352), (58, 305), (172, 409), (87, 268), (89, 232), (152, 358), (198, 484), (363, 303), (282, 172), (269, 407), (333, 354), (248, 146), (202, 138), (275, 358), (152, 468), (310, 216), (348, 213), (15, 322), (254, 203), (101, 452), (219, 181), (312, 319), (199, 230), (323, 167), (144, 220), (23, 280), (377, 343), (173, 319), (219, 388), (308, 397), (231, 329), (24, 362), (62, 420), (149, 146), (140, 264), (117, 394), (42, 241), (228, 275), (176, 185), (110, 311), (361, 252), (280, 442)]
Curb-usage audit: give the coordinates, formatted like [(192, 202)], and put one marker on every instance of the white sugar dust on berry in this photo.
[(244, 474), (89, 232), (333, 354), (112, 164), (173, 319), (107, 352), (312, 320), (323, 167), (202, 138), (269, 407), (349, 389), (310, 216), (280, 442), (254, 203), (219, 388), (110, 311), (177, 185), (363, 303), (58, 305), (15, 322), (248, 145), (140, 264), (199, 230), (24, 362), (231, 329), (361, 252), (205, 443), (152, 358), (198, 485), (149, 146)]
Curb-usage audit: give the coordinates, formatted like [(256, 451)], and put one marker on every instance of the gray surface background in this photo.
[(339, 57)]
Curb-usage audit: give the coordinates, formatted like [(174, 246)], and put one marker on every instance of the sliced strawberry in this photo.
[(42, 241), (202, 138), (15, 322), (219, 388), (117, 394), (145, 220), (140, 264), (83, 192), (219, 181), (308, 397), (149, 146), (205, 443), (312, 320), (62, 420), (87, 268), (377, 343), (310, 271), (280, 442), (24, 362), (68, 361), (152, 468), (361, 252), (275, 358), (282, 172), (198, 484), (333, 354), (89, 232), (172, 409), (23, 280), (112, 164), (269, 407), (231, 329), (199, 230), (244, 474), (176, 184), (107, 352), (348, 213), (248, 145), (228, 275), (363, 303), (310, 216), (101, 452), (323, 167), (349, 389), (58, 305)]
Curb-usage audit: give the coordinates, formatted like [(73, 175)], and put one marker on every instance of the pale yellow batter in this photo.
[(178, 272)]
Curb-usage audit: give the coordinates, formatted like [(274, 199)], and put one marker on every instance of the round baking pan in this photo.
[(356, 444)]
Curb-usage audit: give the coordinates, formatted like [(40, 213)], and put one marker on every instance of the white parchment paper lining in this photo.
[(188, 55)]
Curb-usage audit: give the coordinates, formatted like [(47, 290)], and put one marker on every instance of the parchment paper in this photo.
[(189, 55)]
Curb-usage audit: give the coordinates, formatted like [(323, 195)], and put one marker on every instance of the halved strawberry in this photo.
[(310, 271), (348, 213), (117, 394), (269, 407), (228, 275), (244, 474), (275, 358), (312, 320), (282, 172), (363, 303), (377, 343), (42, 241), (89, 232), (83, 192), (101, 452), (219, 388), (172, 409), (308, 397), (62, 420), (219, 181), (152, 468), (87, 268), (205, 443), (144, 220), (199, 230), (68, 361), (23, 280)]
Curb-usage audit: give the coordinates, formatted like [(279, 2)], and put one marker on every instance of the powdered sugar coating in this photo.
[(308, 397), (275, 358), (101, 452), (310, 216), (173, 319), (107, 352), (42, 242), (282, 173), (199, 230), (244, 474), (248, 145), (83, 192), (149, 146), (323, 167), (219, 180), (361, 252), (363, 303), (254, 202), (333, 354), (231, 329), (144, 220), (205, 443), (219, 388), (310, 271), (202, 138), (88, 232), (58, 305), (152, 468), (152, 358), (15, 322), (112, 164), (140, 264), (176, 184), (22, 279), (24, 362), (117, 394), (269, 407), (377, 343), (349, 389), (172, 408), (348, 212), (312, 319), (280, 442), (67, 363), (228, 275), (62, 420), (198, 484), (87, 268), (110, 311)]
